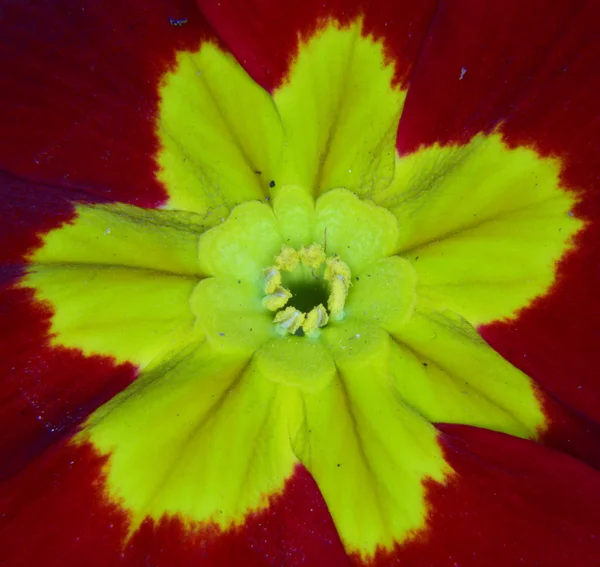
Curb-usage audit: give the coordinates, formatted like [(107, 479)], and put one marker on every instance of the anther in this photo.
[(335, 272), (317, 317), (337, 297), (277, 299), (272, 279), (290, 319), (336, 269), (312, 256), (287, 259)]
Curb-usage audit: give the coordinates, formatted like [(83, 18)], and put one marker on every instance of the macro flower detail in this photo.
[(305, 296)]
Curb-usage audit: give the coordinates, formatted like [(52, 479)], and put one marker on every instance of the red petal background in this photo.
[(77, 117)]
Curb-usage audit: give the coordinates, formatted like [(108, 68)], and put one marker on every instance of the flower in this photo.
[(305, 300)]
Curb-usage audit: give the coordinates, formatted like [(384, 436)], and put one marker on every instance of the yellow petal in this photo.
[(448, 373), (483, 224), (176, 450), (340, 113), (370, 455), (219, 132)]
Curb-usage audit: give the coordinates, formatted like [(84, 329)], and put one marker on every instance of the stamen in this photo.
[(317, 317), (312, 256), (337, 298), (290, 319), (335, 267), (335, 272), (287, 259), (277, 299), (272, 279)]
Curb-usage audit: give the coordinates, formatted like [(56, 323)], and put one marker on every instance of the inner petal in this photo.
[(358, 231), (243, 245), (230, 313), (384, 293)]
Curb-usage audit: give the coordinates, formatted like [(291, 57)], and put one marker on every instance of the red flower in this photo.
[(79, 114)]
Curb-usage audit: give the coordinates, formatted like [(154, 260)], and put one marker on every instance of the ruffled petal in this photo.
[(339, 111), (118, 280), (219, 132), (484, 225), (175, 449), (445, 371)]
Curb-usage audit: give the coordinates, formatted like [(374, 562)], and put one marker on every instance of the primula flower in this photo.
[(299, 285)]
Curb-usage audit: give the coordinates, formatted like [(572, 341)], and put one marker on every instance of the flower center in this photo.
[(305, 288)]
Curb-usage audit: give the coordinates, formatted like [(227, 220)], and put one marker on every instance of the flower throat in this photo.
[(305, 289)]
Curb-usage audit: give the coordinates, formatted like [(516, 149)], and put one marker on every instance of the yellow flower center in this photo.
[(306, 281)]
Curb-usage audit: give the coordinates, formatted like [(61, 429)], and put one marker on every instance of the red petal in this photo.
[(512, 503), (44, 392), (53, 514), (79, 91), (263, 34)]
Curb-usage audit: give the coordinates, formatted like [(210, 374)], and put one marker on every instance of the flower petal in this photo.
[(80, 92), (231, 314), (148, 314), (175, 449), (537, 76), (368, 452), (111, 268), (444, 370), (58, 504), (356, 230), (243, 246), (339, 112), (510, 502), (383, 293), (124, 236), (220, 134), (296, 362), (484, 225), (45, 392)]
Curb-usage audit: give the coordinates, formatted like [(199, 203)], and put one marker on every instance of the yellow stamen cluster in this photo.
[(336, 273)]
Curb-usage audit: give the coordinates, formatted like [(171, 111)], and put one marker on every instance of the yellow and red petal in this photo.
[(44, 397), (530, 69), (77, 109), (510, 502), (58, 502), (569, 506), (264, 36)]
